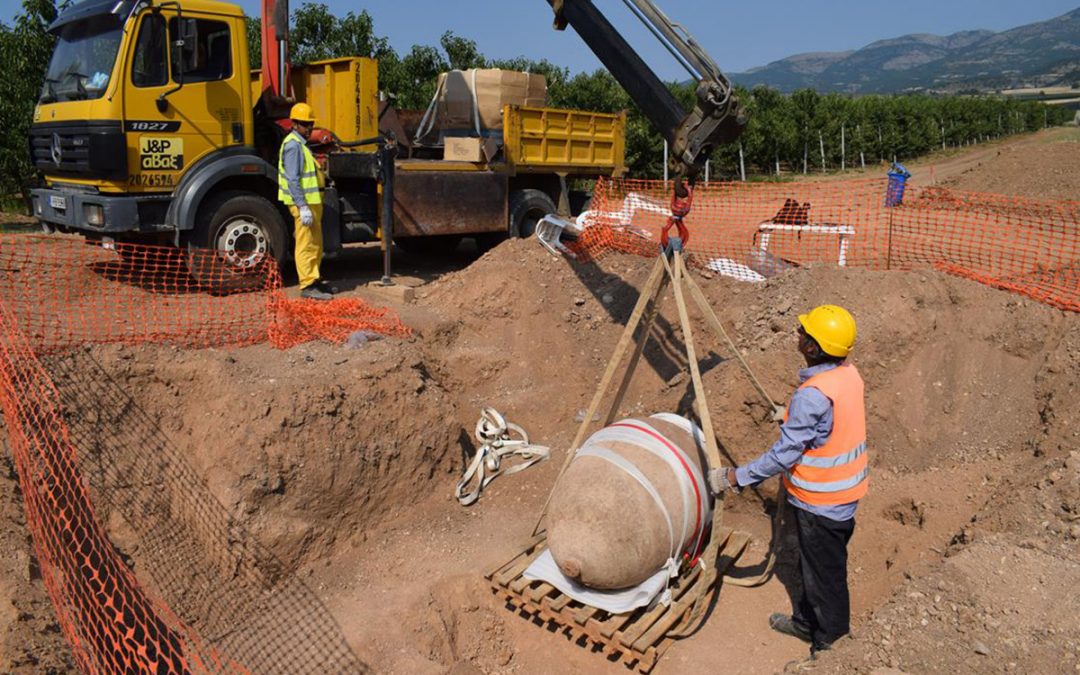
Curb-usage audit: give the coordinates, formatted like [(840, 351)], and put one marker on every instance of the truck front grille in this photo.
[(79, 149)]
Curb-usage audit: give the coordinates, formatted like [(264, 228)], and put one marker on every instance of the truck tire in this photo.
[(242, 228), (527, 207)]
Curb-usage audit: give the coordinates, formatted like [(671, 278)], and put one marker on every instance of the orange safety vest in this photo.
[(835, 473)]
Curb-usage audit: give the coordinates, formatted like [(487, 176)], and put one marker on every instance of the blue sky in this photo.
[(739, 35)]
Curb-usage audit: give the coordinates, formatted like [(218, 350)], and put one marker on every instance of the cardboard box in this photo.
[(466, 97), (463, 149)]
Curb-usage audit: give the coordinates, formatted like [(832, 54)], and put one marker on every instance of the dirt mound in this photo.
[(936, 351), (307, 447), (342, 462)]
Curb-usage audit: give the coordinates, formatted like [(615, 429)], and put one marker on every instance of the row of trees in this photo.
[(808, 131), (25, 48), (803, 132)]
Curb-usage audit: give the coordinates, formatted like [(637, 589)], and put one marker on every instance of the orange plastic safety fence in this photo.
[(752, 231), (333, 321), (66, 291), (210, 599), (112, 624)]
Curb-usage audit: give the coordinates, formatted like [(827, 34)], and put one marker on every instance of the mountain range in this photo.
[(1042, 54)]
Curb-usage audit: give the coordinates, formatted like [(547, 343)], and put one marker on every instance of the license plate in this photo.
[(57, 202)]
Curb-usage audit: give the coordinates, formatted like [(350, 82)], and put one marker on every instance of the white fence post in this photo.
[(843, 148)]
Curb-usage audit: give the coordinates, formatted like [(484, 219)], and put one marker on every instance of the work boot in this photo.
[(782, 623), (325, 287), (313, 292)]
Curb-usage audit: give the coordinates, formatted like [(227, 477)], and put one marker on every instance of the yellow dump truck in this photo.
[(151, 126)]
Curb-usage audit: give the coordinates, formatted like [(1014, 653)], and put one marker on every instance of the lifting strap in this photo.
[(497, 442)]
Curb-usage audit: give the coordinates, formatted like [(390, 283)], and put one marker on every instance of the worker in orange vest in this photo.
[(822, 456)]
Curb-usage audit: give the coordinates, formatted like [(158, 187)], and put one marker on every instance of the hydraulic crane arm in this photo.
[(717, 116), (275, 48)]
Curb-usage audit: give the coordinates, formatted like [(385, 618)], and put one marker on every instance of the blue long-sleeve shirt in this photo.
[(292, 159), (809, 423)]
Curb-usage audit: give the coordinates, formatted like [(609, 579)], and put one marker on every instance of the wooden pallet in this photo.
[(638, 638)]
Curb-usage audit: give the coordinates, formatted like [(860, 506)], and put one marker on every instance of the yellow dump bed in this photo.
[(552, 140), (343, 92)]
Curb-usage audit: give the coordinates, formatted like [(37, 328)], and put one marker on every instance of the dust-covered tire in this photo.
[(527, 207), (235, 232)]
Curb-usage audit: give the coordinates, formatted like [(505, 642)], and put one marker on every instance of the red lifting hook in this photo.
[(680, 208)]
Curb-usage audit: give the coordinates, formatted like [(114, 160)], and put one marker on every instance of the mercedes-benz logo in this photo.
[(56, 151)]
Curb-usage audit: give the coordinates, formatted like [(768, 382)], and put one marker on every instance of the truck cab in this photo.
[(136, 99)]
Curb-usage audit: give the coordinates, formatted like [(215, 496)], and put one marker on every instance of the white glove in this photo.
[(719, 482), (307, 218)]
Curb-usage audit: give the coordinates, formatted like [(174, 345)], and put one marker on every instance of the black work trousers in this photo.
[(824, 606)]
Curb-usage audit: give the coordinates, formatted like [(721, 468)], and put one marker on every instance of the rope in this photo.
[(496, 437)]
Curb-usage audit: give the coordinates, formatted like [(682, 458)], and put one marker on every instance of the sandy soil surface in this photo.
[(343, 462), (1042, 165)]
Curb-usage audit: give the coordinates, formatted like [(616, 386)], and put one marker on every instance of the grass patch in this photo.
[(1063, 135), (16, 226)]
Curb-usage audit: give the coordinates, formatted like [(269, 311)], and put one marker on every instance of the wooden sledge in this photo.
[(639, 638)]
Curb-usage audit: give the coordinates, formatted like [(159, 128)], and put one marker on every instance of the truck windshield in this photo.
[(83, 59)]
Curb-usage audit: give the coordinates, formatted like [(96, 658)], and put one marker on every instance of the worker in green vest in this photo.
[(300, 184)]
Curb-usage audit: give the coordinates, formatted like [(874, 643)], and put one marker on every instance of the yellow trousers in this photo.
[(309, 245)]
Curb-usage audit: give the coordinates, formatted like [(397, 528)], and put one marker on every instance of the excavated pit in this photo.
[(342, 462)]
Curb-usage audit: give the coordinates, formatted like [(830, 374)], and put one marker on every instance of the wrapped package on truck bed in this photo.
[(471, 102)]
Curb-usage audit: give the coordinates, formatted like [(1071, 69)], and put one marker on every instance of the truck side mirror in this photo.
[(187, 36)]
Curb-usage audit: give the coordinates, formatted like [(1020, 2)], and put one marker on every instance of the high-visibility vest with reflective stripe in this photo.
[(835, 473), (311, 179)]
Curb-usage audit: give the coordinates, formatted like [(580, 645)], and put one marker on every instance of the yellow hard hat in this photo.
[(832, 327), (302, 112)]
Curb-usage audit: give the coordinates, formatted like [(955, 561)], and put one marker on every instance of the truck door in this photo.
[(185, 98)]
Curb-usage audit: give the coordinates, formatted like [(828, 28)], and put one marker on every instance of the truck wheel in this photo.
[(241, 229), (527, 207)]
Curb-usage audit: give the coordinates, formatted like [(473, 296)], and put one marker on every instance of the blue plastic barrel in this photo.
[(894, 194)]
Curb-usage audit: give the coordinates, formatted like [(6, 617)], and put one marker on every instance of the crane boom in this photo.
[(275, 48), (717, 116)]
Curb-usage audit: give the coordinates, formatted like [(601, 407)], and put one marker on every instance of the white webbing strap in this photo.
[(428, 121), (475, 104), (672, 564), (698, 435), (685, 470), (495, 436), (610, 435), (628, 467)]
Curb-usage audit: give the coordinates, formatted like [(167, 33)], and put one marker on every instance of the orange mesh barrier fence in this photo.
[(208, 598), (65, 291), (752, 231), (111, 623), (333, 321)]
